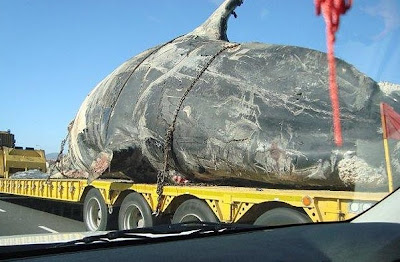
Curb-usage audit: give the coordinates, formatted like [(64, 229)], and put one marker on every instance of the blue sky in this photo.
[(52, 53)]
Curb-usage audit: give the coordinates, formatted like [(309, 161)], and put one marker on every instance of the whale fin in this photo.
[(216, 25)]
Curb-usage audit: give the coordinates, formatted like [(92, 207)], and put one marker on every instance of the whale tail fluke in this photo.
[(216, 25)]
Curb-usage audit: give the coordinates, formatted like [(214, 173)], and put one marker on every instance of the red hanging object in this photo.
[(331, 11)]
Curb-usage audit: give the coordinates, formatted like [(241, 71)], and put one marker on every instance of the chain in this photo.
[(62, 148), (170, 131), (161, 175), (130, 75), (59, 156), (160, 189)]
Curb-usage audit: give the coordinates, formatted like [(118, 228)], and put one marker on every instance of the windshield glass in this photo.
[(123, 114)]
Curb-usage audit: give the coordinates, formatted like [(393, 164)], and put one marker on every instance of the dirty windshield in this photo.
[(131, 114)]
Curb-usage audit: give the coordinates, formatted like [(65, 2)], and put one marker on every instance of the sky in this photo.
[(54, 52)]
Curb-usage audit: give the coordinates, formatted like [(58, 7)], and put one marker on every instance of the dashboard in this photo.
[(313, 242)]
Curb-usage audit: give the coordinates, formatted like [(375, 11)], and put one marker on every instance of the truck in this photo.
[(15, 159), (118, 203)]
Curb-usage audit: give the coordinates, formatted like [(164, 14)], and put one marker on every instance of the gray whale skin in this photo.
[(245, 113)]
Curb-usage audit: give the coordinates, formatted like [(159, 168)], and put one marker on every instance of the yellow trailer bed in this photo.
[(226, 204)]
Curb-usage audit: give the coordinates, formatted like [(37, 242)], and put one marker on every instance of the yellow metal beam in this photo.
[(386, 148), (228, 203)]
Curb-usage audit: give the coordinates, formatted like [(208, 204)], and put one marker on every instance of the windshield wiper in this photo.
[(180, 230), (199, 226), (107, 237)]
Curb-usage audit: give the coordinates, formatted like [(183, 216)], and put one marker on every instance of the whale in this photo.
[(207, 110)]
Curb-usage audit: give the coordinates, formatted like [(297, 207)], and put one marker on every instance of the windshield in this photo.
[(126, 114)]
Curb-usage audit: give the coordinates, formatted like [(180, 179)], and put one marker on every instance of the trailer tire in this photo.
[(134, 213), (282, 216), (95, 212), (194, 210)]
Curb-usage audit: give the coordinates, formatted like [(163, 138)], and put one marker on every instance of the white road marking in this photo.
[(1, 210), (48, 229)]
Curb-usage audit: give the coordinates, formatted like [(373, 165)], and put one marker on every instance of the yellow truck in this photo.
[(105, 201), (14, 159)]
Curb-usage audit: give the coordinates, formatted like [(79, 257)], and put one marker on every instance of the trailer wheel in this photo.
[(134, 213), (194, 210), (281, 216), (95, 211)]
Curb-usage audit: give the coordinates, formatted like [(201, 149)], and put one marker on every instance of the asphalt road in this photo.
[(17, 217)]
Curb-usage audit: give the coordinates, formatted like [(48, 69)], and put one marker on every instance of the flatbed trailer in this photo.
[(108, 203)]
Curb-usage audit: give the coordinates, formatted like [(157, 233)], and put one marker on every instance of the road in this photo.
[(16, 218)]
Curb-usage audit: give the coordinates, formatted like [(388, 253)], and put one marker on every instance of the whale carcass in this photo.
[(212, 111)]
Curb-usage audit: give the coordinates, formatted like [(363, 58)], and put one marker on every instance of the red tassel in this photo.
[(331, 11)]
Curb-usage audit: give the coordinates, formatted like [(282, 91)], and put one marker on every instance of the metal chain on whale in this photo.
[(168, 146), (213, 28), (130, 75)]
